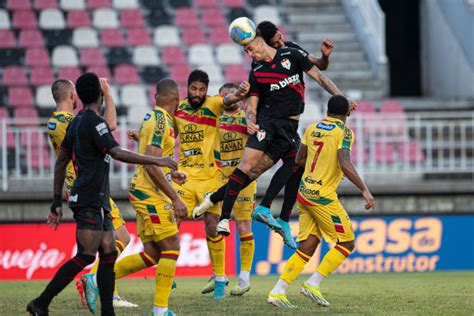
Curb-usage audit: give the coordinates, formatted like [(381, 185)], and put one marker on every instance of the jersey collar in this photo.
[(333, 120)]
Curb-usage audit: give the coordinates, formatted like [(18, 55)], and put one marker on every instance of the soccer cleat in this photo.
[(223, 227), (219, 290), (173, 286), (167, 313), (279, 300), (210, 285), (239, 291), (285, 232), (264, 215), (203, 207), (120, 302), (91, 291), (35, 310), (80, 290), (314, 293)]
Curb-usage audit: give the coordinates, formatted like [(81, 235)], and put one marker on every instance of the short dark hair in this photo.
[(166, 85), (60, 88), (88, 88), (338, 105), (229, 85), (198, 75), (267, 30)]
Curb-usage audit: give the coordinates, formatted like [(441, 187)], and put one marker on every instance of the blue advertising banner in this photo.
[(383, 244)]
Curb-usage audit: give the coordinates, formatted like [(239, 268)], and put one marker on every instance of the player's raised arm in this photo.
[(251, 115), (110, 114), (323, 81), (239, 95), (326, 49)]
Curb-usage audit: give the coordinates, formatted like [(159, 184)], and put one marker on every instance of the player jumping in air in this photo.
[(325, 155)]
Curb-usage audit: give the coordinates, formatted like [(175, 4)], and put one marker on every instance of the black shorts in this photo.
[(277, 137), (92, 218)]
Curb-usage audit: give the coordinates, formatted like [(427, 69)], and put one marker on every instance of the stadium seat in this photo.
[(152, 74), (51, 19), (105, 18), (118, 55), (41, 75), (14, 76), (71, 73), (180, 73), (158, 17), (200, 54), (44, 98), (166, 35), (133, 95), (234, 3), (145, 56), (214, 17), (96, 4), (55, 38), (37, 57), (18, 4), (206, 3), (138, 37), (24, 20), (92, 56), (132, 18), (45, 4), (193, 35), (173, 55), (236, 73), (68, 5), (214, 71), (411, 151), (125, 4), (255, 3), (40, 158), (64, 56), (112, 38), (179, 3), (126, 74), (78, 18), (185, 17), (365, 107), (85, 37), (28, 118), (266, 13), (237, 13), (7, 39), (356, 156), (391, 106), (4, 20), (383, 153), (228, 54), (101, 72), (20, 97), (115, 94), (30, 38), (11, 56)]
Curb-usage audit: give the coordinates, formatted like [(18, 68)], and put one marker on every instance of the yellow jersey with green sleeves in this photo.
[(57, 126), (155, 130), (233, 137), (322, 173), (198, 130)]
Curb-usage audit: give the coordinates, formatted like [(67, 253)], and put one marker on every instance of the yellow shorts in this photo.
[(329, 221), (193, 191), (117, 219), (155, 220), (245, 203)]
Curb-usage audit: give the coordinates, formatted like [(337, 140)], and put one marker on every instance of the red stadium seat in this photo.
[(102, 72), (214, 17), (219, 35), (30, 138), (138, 36), (186, 17), (7, 39), (132, 18), (24, 20), (365, 107), (37, 57), (383, 153), (173, 55), (70, 73), (95, 4), (391, 106), (234, 3), (18, 4), (30, 38), (14, 75), (92, 56), (41, 76), (112, 38), (78, 19), (193, 35), (45, 4), (236, 73), (40, 158), (180, 73), (206, 3), (20, 97), (411, 151), (126, 74)]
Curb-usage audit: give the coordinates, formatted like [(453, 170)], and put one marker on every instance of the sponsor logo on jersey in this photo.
[(101, 128), (73, 198), (326, 127), (231, 142), (230, 162), (303, 52), (192, 152), (286, 63), (285, 53), (51, 126), (258, 67), (147, 117), (295, 79), (309, 193), (107, 158), (310, 180), (318, 134), (191, 134), (274, 87)]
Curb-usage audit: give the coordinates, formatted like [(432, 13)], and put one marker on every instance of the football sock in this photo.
[(63, 277), (218, 196), (280, 287), (291, 191), (106, 282), (278, 181), (119, 246), (332, 260), (247, 249), (237, 181), (216, 247), (315, 279), (158, 311), (133, 263), (244, 278), (165, 271), (294, 266)]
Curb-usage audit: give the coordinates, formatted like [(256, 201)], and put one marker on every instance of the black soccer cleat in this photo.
[(35, 310)]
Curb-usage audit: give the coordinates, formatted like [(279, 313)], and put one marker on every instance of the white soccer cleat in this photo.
[(223, 227), (120, 302), (205, 206)]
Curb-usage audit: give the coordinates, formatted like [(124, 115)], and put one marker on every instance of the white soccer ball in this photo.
[(242, 30)]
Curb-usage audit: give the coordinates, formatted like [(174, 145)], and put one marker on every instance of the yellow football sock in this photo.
[(332, 260), (165, 271), (247, 249), (95, 267), (119, 246), (294, 266), (133, 263), (216, 247)]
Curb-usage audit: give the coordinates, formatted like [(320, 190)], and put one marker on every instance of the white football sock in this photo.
[(220, 278), (280, 287), (315, 279), (244, 278), (159, 311)]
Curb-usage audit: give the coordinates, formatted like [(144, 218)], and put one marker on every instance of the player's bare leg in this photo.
[(247, 248)]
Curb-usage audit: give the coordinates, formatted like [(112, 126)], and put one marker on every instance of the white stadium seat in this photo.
[(69, 5), (134, 96), (52, 19), (214, 71), (266, 13), (44, 98), (201, 54), (85, 37), (4, 20), (213, 88), (64, 56), (166, 35), (146, 56), (228, 54), (115, 94), (125, 4), (105, 19)]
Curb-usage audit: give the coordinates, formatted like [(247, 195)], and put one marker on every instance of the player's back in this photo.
[(233, 137), (323, 173)]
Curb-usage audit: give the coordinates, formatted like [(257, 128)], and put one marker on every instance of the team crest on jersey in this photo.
[(51, 126), (261, 135), (147, 117), (286, 63)]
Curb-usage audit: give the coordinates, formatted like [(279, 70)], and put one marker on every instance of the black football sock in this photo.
[(278, 181), (291, 191), (106, 282), (218, 196), (237, 181), (63, 277)]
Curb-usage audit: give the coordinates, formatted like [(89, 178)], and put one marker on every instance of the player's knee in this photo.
[(309, 245), (123, 235), (349, 245), (243, 227)]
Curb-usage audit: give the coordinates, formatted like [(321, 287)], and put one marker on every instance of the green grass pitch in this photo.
[(439, 293)]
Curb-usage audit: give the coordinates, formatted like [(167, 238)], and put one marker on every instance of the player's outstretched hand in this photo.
[(105, 87), (55, 213), (369, 200), (244, 88), (326, 47), (166, 162), (179, 177), (133, 135), (180, 209)]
